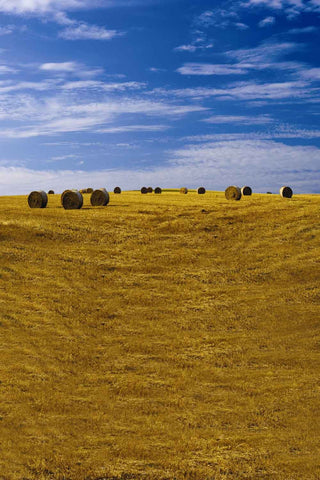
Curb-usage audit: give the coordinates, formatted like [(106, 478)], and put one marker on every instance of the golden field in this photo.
[(162, 337)]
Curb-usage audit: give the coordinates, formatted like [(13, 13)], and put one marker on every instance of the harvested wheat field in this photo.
[(163, 337)]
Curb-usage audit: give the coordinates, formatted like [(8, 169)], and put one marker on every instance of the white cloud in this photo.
[(4, 69), (54, 10), (83, 31), (299, 31), (266, 22), (239, 119), (210, 69), (42, 6), (60, 67), (260, 163), (60, 158), (73, 68), (241, 26), (264, 57), (312, 74), (192, 48), (249, 91), (108, 87), (264, 165), (56, 115), (186, 48), (291, 8), (279, 133), (134, 128), (157, 70), (7, 30), (267, 53), (7, 87), (219, 18)]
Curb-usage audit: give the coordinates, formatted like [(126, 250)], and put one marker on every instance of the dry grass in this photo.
[(165, 337)]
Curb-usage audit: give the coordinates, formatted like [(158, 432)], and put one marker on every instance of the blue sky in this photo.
[(170, 92)]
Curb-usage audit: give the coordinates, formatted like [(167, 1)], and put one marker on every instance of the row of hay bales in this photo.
[(235, 193), (145, 190), (73, 199), (158, 190), (88, 190), (116, 190), (70, 199)]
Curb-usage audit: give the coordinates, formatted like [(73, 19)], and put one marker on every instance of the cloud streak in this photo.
[(239, 119), (57, 115), (83, 31), (250, 90)]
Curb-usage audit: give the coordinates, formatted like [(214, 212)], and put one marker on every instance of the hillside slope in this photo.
[(171, 336)]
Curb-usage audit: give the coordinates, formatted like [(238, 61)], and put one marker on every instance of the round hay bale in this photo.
[(38, 199), (99, 198), (63, 193), (157, 190), (117, 190), (144, 190), (233, 193), (184, 190), (72, 200), (150, 189), (83, 190), (246, 191), (89, 190), (201, 190), (51, 192), (286, 192)]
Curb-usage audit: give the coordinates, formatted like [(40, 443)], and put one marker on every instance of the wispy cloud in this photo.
[(43, 6), (75, 68), (157, 70), (312, 74), (60, 67), (266, 22), (211, 69), (259, 163), (134, 128), (217, 17), (266, 56), (51, 116), (9, 29), (281, 132), (83, 31), (60, 158), (241, 26), (55, 10), (239, 119), (193, 48), (9, 86), (4, 69), (249, 90), (107, 87), (302, 30), (291, 8)]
